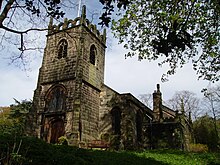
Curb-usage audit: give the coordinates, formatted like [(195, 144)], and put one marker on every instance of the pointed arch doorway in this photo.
[(56, 130)]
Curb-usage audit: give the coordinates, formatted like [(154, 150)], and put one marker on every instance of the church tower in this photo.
[(66, 101)]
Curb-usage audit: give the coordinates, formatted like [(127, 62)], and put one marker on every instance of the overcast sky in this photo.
[(123, 75)]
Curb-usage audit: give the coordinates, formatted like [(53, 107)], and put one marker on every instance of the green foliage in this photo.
[(7, 125), (62, 140), (36, 7), (175, 32), (10, 149), (115, 142), (204, 132), (13, 122), (20, 109), (33, 151), (106, 137), (181, 158), (109, 8), (198, 148)]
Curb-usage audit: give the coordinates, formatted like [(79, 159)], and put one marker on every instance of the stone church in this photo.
[(72, 100)]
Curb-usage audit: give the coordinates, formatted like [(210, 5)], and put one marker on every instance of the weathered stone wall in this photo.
[(81, 79), (107, 95), (187, 131), (55, 69), (157, 105), (129, 107), (71, 114), (89, 112), (92, 78), (128, 124), (93, 74)]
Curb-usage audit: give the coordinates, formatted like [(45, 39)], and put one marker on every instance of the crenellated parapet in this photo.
[(78, 21)]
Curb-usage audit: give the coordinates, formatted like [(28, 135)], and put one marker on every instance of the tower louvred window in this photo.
[(62, 49), (93, 53)]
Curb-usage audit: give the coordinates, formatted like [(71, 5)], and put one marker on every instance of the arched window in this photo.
[(139, 126), (116, 121), (55, 99), (62, 49), (92, 55)]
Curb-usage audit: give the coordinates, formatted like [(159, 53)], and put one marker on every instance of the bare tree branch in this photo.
[(5, 11), (22, 32), (1, 4), (185, 101), (18, 20)]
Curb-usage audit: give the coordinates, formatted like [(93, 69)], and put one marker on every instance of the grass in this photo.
[(176, 157), (156, 157), (36, 152)]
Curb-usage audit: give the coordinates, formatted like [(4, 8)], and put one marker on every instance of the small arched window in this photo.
[(62, 49), (92, 55), (116, 121), (139, 126)]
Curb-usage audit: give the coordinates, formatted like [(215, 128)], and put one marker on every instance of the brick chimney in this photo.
[(157, 103)]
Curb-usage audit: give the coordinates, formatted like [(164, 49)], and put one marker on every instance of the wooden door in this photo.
[(57, 130)]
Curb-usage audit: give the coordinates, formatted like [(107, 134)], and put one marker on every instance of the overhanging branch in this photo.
[(5, 11), (21, 32)]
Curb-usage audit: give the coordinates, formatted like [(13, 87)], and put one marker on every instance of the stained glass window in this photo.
[(55, 99)]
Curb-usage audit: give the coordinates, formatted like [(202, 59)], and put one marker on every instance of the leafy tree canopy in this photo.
[(173, 31), (204, 132), (29, 7), (13, 119)]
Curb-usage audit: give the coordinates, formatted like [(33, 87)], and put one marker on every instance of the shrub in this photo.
[(115, 142), (34, 151), (198, 148), (205, 132), (62, 140)]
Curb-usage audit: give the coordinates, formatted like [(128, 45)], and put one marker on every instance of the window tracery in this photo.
[(62, 49), (55, 99)]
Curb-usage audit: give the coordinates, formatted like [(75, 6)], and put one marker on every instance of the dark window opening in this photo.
[(116, 121), (62, 49), (139, 127), (92, 54)]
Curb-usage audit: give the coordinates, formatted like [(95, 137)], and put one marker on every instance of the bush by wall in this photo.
[(198, 148)]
